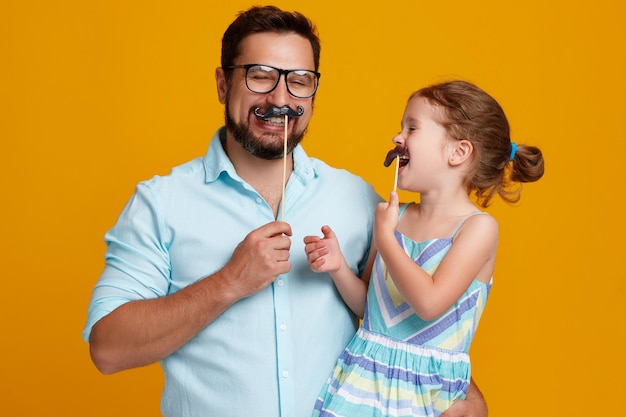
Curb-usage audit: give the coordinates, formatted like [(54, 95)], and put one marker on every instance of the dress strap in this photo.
[(463, 221), (403, 209)]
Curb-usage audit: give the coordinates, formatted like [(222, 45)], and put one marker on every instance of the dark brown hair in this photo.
[(267, 19), (471, 114)]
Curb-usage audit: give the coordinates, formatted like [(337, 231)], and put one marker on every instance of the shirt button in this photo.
[(283, 327), (259, 200), (280, 282), (285, 374)]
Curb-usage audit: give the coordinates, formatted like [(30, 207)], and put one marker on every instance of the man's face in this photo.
[(264, 137)]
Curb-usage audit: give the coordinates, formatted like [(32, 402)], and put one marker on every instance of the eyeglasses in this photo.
[(263, 79)]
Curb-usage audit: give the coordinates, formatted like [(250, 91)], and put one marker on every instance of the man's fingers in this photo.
[(275, 228)]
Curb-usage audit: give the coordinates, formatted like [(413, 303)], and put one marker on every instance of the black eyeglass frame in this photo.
[(280, 72)]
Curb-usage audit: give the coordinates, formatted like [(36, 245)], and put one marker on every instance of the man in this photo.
[(199, 273)]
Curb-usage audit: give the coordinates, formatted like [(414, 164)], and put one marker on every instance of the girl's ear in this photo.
[(461, 152)]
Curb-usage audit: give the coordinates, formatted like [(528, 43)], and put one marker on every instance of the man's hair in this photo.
[(267, 19)]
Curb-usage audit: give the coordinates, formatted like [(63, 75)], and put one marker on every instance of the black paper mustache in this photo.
[(273, 111), (396, 152)]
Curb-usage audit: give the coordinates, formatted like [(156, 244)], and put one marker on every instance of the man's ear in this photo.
[(220, 80), (461, 152)]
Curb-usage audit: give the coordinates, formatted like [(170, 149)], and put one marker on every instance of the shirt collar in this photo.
[(216, 161)]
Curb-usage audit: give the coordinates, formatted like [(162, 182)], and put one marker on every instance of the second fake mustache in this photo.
[(397, 152)]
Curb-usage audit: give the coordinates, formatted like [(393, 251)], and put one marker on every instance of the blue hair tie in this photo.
[(513, 151)]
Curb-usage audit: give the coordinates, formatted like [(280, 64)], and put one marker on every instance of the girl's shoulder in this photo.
[(473, 222), (478, 223)]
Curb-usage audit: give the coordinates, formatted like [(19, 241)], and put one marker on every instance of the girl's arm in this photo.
[(324, 255), (472, 255)]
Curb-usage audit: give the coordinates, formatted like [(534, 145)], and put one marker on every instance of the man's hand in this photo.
[(260, 258), (474, 405)]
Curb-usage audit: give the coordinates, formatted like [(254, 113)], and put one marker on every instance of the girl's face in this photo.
[(427, 147)]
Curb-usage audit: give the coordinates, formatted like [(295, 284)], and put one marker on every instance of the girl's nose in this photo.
[(398, 139)]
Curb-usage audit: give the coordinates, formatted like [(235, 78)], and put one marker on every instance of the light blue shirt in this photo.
[(268, 355)]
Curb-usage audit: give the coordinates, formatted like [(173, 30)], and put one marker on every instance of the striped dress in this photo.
[(398, 364)]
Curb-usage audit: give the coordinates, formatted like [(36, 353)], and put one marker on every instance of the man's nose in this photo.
[(280, 95)]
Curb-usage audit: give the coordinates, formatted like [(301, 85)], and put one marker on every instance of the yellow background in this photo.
[(98, 95)]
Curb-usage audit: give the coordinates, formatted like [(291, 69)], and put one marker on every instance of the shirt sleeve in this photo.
[(137, 264)]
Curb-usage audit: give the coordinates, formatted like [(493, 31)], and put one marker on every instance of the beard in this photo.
[(256, 145)]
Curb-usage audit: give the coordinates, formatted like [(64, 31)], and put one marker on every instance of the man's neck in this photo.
[(267, 177)]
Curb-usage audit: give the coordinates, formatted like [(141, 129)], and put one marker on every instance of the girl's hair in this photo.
[(469, 113), (262, 20)]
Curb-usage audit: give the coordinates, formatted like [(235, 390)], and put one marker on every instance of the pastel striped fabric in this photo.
[(398, 364)]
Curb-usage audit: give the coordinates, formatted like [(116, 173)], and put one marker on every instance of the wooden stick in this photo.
[(395, 180), (282, 206)]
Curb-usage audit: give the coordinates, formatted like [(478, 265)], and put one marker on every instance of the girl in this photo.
[(433, 259)]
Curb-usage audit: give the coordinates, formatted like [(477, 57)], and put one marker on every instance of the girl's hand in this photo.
[(386, 216), (323, 254)]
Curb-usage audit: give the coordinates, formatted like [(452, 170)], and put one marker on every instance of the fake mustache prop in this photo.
[(396, 152), (393, 154), (273, 111)]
